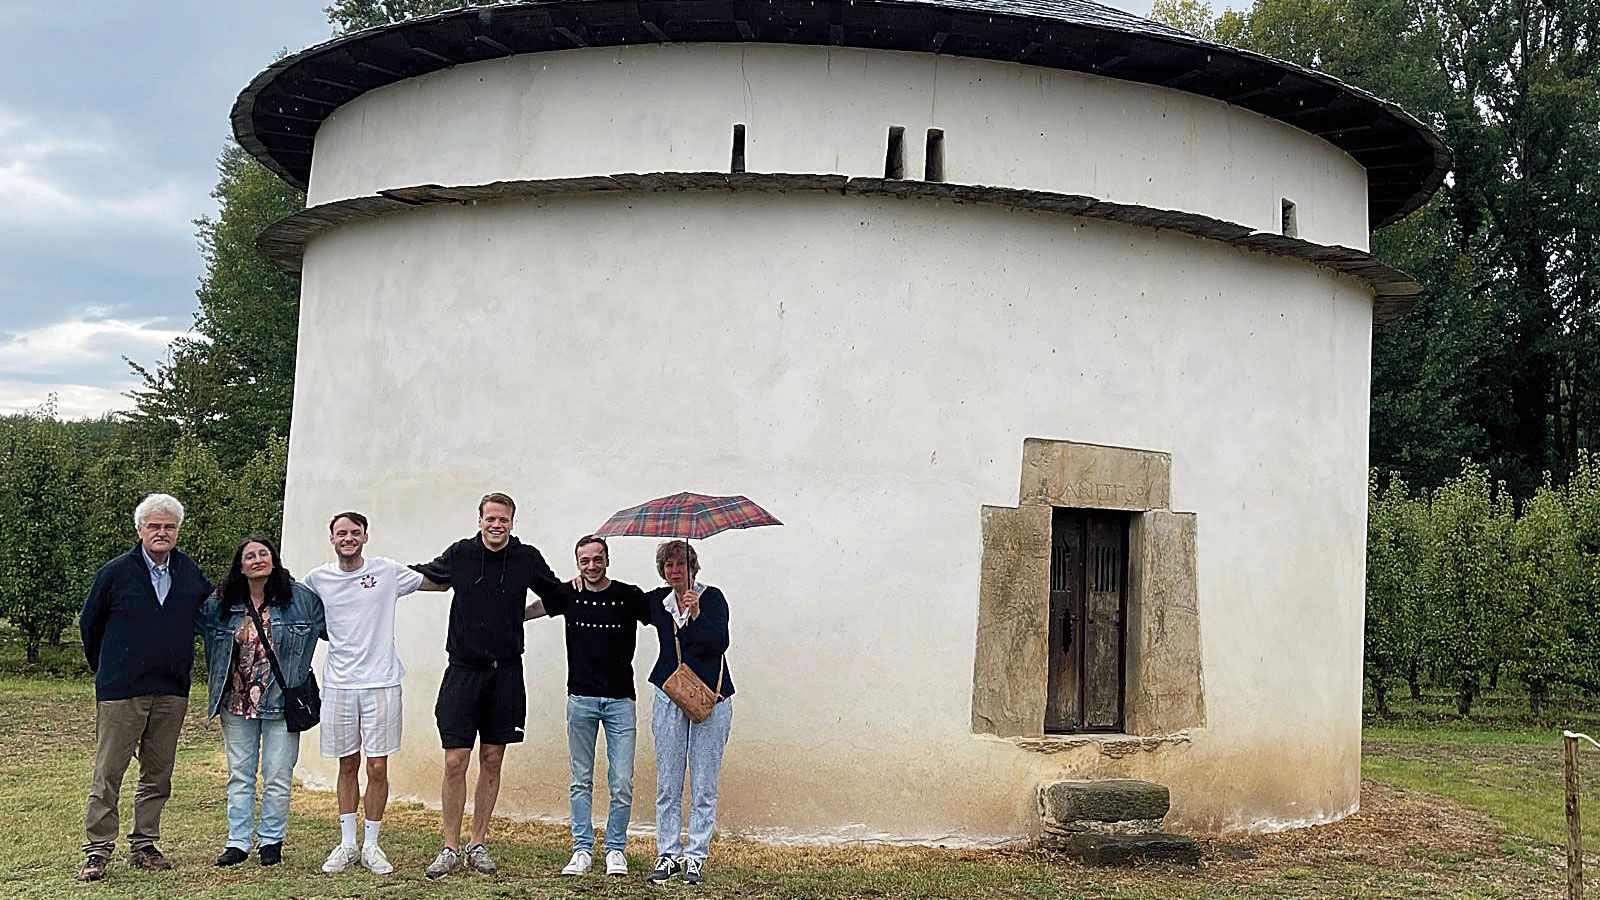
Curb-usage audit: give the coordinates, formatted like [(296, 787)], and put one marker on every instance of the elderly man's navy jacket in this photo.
[(136, 645)]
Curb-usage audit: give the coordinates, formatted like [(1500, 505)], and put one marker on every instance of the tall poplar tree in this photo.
[(230, 384), (1500, 361)]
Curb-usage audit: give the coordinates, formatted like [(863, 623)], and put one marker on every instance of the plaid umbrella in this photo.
[(690, 516)]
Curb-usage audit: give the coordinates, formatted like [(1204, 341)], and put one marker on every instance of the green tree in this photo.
[(1192, 16), (1583, 613), (112, 484), (1396, 537), (41, 583), (230, 385), (1501, 360), (1464, 566), (254, 499), (1536, 642), (193, 475), (354, 15)]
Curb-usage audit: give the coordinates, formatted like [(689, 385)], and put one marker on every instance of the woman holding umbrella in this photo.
[(691, 621), (692, 616)]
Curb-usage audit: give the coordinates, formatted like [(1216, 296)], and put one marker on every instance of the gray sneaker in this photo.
[(446, 862), (478, 857)]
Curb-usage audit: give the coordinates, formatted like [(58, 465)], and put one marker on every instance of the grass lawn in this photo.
[(1403, 844), (1503, 761)]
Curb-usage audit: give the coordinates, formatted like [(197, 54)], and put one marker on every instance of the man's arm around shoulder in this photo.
[(436, 574)]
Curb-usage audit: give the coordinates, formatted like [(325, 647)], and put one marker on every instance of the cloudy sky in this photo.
[(111, 117), (112, 113)]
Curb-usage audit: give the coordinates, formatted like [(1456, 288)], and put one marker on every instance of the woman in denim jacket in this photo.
[(244, 693)]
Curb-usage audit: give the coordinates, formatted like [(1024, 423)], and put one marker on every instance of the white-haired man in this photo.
[(138, 627)]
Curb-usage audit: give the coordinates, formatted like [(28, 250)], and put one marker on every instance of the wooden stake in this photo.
[(1574, 833)]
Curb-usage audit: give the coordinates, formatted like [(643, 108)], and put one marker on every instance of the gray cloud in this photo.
[(111, 117)]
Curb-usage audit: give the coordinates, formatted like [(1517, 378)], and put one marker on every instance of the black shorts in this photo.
[(490, 704)]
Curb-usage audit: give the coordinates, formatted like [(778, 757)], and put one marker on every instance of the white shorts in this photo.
[(365, 719)]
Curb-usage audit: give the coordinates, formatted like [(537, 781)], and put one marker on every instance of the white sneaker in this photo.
[(616, 863), (373, 858), (579, 864), (342, 857)]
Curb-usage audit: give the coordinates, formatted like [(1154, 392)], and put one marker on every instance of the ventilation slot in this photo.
[(933, 169), (1107, 569), (894, 158), (738, 149), (1291, 221)]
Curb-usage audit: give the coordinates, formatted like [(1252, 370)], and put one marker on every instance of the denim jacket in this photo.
[(295, 629)]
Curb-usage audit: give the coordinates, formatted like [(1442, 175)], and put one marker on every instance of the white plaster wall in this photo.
[(867, 368), (828, 110)]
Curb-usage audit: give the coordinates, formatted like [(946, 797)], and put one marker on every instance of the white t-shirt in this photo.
[(360, 614)]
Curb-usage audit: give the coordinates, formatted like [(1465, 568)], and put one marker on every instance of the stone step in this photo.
[(1088, 805), (1127, 849)]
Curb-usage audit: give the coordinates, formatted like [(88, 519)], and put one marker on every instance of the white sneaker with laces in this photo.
[(342, 857), (372, 856), (616, 863), (579, 864)]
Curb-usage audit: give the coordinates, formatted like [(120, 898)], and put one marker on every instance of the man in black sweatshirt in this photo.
[(603, 618), (482, 698)]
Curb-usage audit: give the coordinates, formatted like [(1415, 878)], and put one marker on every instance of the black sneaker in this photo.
[(231, 856), (691, 870), (665, 868), (270, 854)]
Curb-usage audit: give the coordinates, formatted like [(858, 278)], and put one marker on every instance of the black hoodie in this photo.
[(491, 594)]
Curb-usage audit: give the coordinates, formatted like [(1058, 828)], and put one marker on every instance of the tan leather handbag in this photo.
[(687, 690)]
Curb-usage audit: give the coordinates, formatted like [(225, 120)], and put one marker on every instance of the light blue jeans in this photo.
[(585, 716), (268, 746), (683, 744)]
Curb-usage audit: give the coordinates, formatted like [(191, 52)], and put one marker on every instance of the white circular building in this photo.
[(1044, 328)]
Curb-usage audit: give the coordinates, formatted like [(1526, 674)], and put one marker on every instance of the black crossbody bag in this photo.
[(302, 704)]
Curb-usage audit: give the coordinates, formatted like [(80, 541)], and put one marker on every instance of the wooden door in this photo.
[(1063, 709), (1088, 572)]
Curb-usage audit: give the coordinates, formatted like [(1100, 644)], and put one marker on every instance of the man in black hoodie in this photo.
[(482, 698)]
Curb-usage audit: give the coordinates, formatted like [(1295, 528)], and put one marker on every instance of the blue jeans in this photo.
[(267, 745), (585, 715), (683, 744)]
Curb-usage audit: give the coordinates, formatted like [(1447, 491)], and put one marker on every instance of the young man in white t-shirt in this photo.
[(360, 681)]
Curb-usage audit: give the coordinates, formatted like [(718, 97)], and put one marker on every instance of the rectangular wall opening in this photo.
[(894, 157), (933, 160), (1291, 219), (738, 149)]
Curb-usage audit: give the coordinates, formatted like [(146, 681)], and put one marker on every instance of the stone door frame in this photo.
[(1163, 692)]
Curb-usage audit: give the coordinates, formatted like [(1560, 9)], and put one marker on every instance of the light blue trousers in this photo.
[(680, 745), (267, 746), (585, 717)]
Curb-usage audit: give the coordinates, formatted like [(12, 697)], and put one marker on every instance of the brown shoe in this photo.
[(94, 868), (148, 859)]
